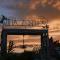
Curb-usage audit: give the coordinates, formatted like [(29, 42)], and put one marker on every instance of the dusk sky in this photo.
[(19, 8)]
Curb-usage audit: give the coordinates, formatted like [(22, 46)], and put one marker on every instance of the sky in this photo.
[(50, 9), (19, 8)]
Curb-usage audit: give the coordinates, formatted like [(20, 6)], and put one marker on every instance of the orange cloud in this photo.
[(35, 3), (57, 5), (54, 3)]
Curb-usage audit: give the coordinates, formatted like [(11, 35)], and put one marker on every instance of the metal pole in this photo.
[(23, 43)]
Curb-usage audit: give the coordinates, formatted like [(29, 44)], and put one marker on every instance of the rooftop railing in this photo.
[(24, 24)]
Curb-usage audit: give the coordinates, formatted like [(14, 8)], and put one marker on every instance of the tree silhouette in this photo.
[(10, 48)]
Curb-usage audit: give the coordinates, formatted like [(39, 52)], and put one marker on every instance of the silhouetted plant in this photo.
[(10, 48)]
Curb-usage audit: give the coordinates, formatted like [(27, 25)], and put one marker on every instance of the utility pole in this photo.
[(23, 44)]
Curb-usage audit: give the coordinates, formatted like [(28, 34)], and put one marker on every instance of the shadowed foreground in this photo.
[(23, 56), (53, 53)]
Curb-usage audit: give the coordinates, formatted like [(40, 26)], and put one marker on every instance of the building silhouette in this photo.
[(48, 50)]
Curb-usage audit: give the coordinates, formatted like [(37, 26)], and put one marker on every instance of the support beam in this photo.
[(24, 31), (3, 42), (44, 46)]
